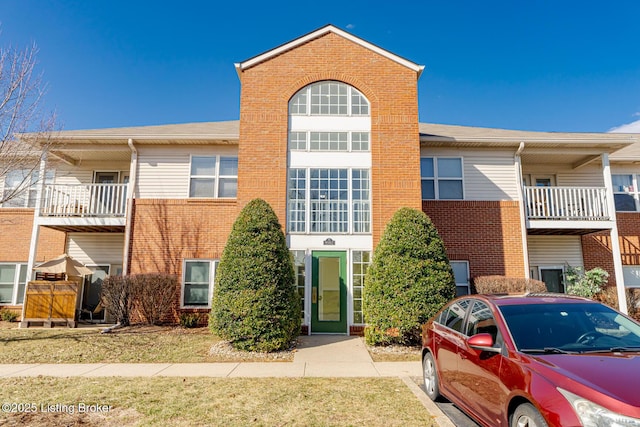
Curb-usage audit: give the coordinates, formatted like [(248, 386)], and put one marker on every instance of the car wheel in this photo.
[(430, 375), (526, 415)]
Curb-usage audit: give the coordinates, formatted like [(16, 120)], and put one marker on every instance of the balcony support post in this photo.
[(35, 228), (133, 170), (615, 242)]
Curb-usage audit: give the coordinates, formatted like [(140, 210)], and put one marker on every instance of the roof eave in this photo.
[(241, 66)]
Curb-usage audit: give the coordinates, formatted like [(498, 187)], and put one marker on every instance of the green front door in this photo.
[(329, 292)]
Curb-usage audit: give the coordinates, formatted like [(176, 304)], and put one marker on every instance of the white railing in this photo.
[(567, 203), (84, 200)]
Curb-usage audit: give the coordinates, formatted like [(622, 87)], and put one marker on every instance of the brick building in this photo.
[(329, 136)]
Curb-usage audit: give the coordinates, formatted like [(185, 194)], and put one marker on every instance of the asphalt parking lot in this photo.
[(457, 417)]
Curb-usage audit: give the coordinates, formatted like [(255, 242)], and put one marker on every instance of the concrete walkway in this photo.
[(316, 356)]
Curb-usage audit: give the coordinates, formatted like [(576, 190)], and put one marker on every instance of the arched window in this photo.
[(329, 98)]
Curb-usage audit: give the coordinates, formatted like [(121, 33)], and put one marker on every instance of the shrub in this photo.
[(409, 280), (609, 296), (154, 294), (585, 283), (118, 298), (8, 315), (255, 303), (507, 285), (189, 320)]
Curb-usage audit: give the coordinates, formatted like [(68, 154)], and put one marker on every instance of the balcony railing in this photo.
[(566, 203), (84, 200)]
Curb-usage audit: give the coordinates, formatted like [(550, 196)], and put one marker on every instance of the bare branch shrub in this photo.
[(117, 297), (609, 296), (507, 285), (154, 295)]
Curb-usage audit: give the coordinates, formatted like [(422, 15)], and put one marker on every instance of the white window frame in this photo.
[(350, 201), (216, 177), (213, 265), (631, 274), (437, 179), (304, 138), (303, 98), (354, 286), (28, 190), (299, 257), (19, 268), (462, 284), (554, 267), (634, 192)]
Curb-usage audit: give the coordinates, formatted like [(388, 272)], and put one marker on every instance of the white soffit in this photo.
[(320, 32)]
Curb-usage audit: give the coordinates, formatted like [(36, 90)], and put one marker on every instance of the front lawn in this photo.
[(135, 344), (213, 402)]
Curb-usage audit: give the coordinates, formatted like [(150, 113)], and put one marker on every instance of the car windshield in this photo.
[(561, 328)]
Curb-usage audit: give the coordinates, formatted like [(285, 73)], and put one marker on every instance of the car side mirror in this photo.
[(483, 342)]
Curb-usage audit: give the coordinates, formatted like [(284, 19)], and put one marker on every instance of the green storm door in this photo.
[(329, 292)]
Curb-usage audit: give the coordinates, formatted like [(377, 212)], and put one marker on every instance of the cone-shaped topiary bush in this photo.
[(409, 280), (255, 303)]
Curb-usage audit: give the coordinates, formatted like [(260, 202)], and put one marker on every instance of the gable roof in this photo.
[(241, 66)]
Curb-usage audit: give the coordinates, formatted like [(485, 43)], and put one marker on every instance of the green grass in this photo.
[(142, 344), (217, 402)]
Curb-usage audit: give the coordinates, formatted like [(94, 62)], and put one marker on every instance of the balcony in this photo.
[(582, 209), (77, 207)]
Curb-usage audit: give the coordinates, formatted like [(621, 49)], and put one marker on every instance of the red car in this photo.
[(534, 360)]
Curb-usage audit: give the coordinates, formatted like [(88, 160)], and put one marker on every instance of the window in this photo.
[(329, 141), (329, 201), (631, 274), (213, 177), (625, 192), (359, 267), (299, 270), (20, 187), (453, 316), (329, 98), (461, 275), (441, 178), (197, 278), (481, 321), (13, 280)]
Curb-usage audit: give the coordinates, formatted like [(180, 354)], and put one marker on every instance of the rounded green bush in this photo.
[(409, 280), (255, 303)]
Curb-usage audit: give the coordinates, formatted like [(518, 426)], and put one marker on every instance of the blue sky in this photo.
[(547, 65)]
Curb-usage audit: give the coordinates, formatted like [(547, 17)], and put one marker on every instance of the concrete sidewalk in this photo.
[(316, 356)]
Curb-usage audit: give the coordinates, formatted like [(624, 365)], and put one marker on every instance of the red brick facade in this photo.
[(166, 232), (596, 248), (18, 224), (391, 89), (487, 234)]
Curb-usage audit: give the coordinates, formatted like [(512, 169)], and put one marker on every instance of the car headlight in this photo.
[(592, 415)]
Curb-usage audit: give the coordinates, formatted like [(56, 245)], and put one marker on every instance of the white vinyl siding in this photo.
[(164, 172), (83, 174), (96, 248), (489, 175), (594, 179), (555, 251)]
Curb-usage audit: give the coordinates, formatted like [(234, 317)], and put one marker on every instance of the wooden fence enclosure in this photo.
[(50, 302)]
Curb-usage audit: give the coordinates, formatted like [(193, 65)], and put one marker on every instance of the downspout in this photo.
[(133, 171), (523, 219), (615, 242)]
